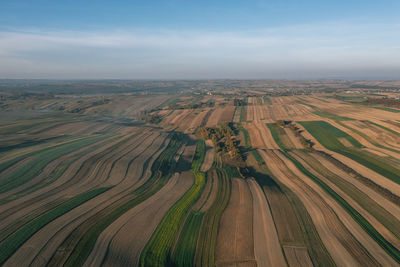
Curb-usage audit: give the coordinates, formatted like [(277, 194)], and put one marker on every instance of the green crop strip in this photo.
[(328, 131), (33, 167), (243, 113), (387, 246), (246, 136), (328, 136), (9, 245), (158, 249), (232, 171), (275, 132), (388, 109), (207, 239), (162, 169), (383, 127), (4, 149), (25, 126), (186, 246), (258, 157), (328, 115), (267, 100)]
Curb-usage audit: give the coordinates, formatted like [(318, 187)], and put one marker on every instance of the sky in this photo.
[(187, 39)]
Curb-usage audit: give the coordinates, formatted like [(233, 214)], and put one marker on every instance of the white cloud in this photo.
[(306, 49)]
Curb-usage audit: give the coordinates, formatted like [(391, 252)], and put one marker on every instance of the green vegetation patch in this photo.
[(232, 172), (258, 157), (186, 246), (276, 132), (243, 113), (9, 245), (158, 249), (246, 135), (329, 134), (267, 100), (207, 239)]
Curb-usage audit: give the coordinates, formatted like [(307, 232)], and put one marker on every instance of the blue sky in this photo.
[(200, 39)]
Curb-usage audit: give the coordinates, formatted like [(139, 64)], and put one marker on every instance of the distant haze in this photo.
[(360, 44)]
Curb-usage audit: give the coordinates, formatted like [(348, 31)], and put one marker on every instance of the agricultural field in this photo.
[(200, 173)]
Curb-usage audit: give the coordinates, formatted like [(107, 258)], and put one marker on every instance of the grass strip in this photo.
[(9, 245)]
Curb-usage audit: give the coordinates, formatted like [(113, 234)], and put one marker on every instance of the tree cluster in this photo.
[(239, 102), (223, 138), (391, 102)]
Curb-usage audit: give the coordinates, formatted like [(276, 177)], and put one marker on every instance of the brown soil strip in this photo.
[(227, 114), (215, 117), (209, 158), (297, 256), (267, 249), (266, 136), (235, 243), (214, 191), (255, 136), (293, 139), (210, 183), (249, 113)]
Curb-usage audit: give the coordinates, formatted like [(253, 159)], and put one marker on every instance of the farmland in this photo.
[(200, 173)]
